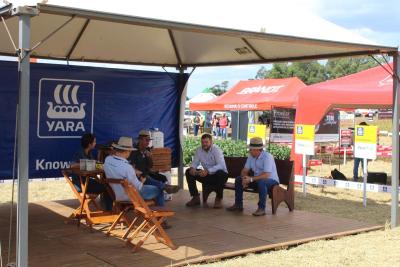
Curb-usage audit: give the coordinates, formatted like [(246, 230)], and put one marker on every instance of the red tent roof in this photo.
[(369, 88), (366, 89), (255, 95)]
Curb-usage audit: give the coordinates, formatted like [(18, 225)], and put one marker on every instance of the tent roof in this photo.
[(112, 38), (202, 97), (256, 95), (365, 89)]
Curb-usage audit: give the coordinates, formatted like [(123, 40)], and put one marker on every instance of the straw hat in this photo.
[(256, 143), (124, 143), (145, 133)]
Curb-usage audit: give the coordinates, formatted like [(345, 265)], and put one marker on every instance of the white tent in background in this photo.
[(201, 98)]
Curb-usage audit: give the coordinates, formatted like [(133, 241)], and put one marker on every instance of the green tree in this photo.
[(219, 89), (336, 68), (311, 72)]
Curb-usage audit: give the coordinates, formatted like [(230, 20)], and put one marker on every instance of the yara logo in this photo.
[(65, 108), (69, 110)]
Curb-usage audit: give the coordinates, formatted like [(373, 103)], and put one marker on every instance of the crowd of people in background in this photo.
[(217, 124)]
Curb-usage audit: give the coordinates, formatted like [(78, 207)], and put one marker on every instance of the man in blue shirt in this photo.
[(208, 167), (258, 173)]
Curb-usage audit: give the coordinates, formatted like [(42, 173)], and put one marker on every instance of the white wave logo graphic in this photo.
[(65, 109)]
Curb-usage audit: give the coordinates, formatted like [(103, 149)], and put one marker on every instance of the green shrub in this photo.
[(231, 148)]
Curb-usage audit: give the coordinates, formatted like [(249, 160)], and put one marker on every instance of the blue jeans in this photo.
[(153, 189), (262, 186), (356, 166), (196, 130), (223, 132)]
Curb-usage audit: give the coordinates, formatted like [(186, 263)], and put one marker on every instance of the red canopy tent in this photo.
[(255, 95), (365, 89)]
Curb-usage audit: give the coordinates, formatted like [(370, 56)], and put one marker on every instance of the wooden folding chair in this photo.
[(152, 219), (84, 211), (122, 208), (90, 199)]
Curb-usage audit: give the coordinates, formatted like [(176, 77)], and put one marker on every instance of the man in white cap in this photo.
[(258, 173), (117, 166)]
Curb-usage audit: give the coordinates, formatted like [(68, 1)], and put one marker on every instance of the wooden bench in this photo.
[(284, 192)]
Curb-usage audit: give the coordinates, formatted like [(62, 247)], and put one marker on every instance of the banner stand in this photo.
[(365, 175), (304, 174)]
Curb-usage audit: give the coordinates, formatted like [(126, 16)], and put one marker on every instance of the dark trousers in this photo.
[(94, 187), (218, 179), (357, 162), (196, 130)]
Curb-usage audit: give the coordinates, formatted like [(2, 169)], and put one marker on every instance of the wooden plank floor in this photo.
[(202, 234)]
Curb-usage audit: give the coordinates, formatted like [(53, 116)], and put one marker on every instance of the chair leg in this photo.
[(129, 229), (137, 231), (140, 243), (164, 235), (115, 222)]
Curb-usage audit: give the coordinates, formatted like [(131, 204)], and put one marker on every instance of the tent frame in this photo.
[(25, 14)]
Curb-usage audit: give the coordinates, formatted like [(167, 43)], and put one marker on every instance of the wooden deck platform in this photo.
[(202, 234)]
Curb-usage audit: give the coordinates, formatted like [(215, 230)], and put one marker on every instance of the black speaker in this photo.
[(377, 178)]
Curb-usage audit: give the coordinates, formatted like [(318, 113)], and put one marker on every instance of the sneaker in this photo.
[(259, 212), (171, 189), (195, 201), (235, 207)]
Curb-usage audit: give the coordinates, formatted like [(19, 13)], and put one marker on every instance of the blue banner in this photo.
[(67, 101)]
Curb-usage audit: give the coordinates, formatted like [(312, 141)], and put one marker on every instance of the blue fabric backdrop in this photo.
[(67, 101)]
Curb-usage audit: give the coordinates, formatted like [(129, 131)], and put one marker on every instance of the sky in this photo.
[(367, 21)]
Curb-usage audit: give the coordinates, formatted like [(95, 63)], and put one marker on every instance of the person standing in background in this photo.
[(357, 161), (196, 122), (214, 125), (223, 124)]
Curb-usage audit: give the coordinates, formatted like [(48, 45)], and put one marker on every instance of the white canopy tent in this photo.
[(200, 98), (61, 33)]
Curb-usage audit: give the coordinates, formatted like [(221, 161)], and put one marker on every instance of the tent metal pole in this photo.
[(183, 88), (24, 14), (395, 142), (238, 125)]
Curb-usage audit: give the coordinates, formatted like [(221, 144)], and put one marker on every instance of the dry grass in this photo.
[(379, 248), (378, 165), (39, 191)]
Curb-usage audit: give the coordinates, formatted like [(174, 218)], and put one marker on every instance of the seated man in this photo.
[(117, 166), (213, 171), (88, 143), (142, 159), (261, 166)]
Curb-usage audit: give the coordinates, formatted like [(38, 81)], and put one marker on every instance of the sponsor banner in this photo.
[(260, 90), (365, 142), (344, 184), (328, 128), (282, 125), (256, 130), (241, 106), (346, 138), (67, 101), (346, 116), (305, 139)]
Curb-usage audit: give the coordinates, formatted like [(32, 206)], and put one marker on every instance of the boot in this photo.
[(259, 212), (195, 201), (235, 207)]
